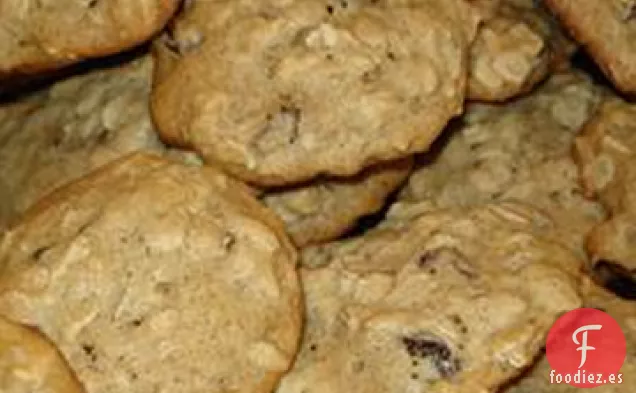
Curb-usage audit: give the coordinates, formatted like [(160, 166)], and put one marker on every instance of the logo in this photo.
[(586, 348)]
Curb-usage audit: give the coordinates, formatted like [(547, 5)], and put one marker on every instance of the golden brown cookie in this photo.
[(606, 29), (63, 131), (516, 47), (40, 35), (279, 92), (440, 301), (29, 363), (153, 276), (517, 151), (624, 312), (326, 208), (606, 154)]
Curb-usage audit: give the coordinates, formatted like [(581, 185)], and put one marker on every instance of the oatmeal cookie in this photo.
[(607, 30), (279, 92), (41, 35), (426, 302), (150, 275), (606, 154), (517, 151)]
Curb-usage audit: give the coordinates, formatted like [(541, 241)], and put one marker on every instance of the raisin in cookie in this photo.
[(153, 276), (438, 301), (39, 35), (521, 151), (516, 47), (29, 363), (606, 28), (279, 92), (606, 153), (65, 130)]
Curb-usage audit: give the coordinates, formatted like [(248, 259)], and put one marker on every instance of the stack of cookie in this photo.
[(310, 196)]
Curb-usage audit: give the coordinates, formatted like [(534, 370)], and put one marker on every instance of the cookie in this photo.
[(624, 312), (29, 363), (281, 92), (43, 35), (606, 29), (325, 209), (61, 132), (517, 151), (427, 303), (516, 47), (150, 275), (606, 154)]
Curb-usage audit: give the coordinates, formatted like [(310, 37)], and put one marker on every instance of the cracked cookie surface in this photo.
[(149, 275)]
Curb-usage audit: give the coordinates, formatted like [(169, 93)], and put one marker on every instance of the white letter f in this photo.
[(584, 347)]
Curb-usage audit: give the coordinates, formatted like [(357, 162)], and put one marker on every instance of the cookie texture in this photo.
[(29, 363), (149, 275), (63, 131), (606, 153), (624, 312), (517, 151), (326, 208), (427, 303), (607, 31), (40, 35), (516, 47), (278, 92)]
